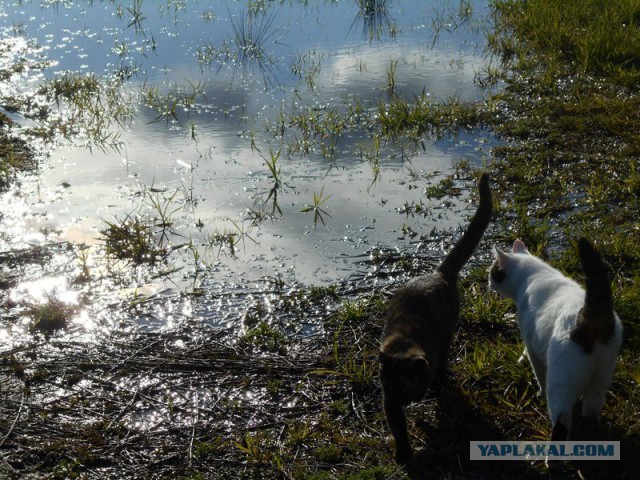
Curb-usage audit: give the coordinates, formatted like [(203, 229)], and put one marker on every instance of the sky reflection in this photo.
[(209, 156)]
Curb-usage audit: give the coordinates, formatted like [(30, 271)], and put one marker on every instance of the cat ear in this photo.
[(503, 257), (519, 247)]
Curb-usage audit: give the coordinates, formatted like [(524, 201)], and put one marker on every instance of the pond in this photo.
[(239, 133)]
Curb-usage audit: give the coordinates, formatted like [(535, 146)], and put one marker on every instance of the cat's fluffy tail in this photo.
[(598, 298), (465, 247)]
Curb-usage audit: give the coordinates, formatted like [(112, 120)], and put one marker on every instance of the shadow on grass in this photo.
[(457, 422)]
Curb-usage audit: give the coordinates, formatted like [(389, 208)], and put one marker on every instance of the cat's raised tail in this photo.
[(596, 321), (598, 281), (462, 251)]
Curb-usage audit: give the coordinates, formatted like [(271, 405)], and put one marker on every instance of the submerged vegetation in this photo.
[(293, 392), (16, 155), (96, 108)]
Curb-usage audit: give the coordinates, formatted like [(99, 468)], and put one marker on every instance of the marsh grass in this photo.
[(275, 172), (131, 239), (586, 38), (16, 156), (147, 234), (321, 128), (424, 116), (375, 19), (97, 109), (319, 213), (253, 29), (307, 67), (168, 103), (266, 337), (137, 17), (448, 17), (51, 316)]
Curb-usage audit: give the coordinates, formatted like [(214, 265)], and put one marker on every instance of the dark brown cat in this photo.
[(419, 326)]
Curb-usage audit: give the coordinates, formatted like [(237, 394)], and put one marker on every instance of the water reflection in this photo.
[(205, 128), (375, 19)]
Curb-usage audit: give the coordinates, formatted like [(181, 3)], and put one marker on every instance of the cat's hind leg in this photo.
[(561, 412), (592, 403), (567, 378)]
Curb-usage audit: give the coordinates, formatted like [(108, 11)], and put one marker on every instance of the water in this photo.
[(205, 162)]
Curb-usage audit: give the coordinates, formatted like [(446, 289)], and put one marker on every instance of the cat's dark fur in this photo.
[(419, 327)]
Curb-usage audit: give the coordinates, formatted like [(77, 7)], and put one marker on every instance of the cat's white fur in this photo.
[(548, 304)]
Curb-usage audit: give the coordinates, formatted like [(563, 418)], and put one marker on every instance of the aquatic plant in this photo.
[(136, 16), (318, 212), (266, 337), (307, 66), (227, 239), (252, 30), (423, 115), (274, 170), (16, 156), (147, 233), (374, 15), (166, 101), (391, 78), (250, 37), (51, 316), (131, 239), (97, 108), (82, 256), (444, 188), (448, 18), (223, 239)]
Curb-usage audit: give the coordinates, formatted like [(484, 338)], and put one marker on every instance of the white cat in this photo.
[(572, 337)]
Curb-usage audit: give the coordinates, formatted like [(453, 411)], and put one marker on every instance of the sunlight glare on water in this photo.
[(206, 113)]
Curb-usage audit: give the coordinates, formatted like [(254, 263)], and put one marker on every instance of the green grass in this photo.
[(266, 337), (319, 213), (50, 317), (591, 37), (16, 156), (131, 239), (98, 107), (422, 115)]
